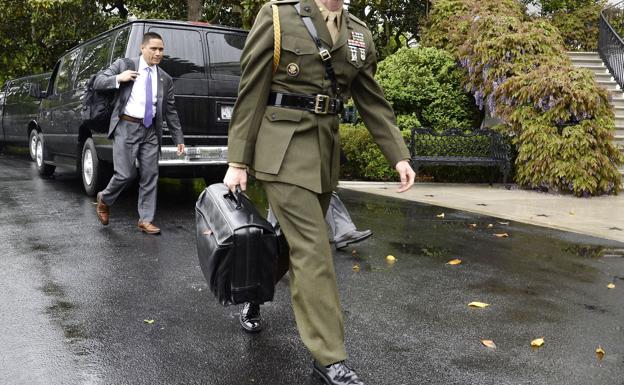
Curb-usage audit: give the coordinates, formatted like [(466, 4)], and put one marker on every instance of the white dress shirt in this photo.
[(136, 103)]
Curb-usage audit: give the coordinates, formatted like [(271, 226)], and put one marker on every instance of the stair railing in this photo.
[(610, 44)]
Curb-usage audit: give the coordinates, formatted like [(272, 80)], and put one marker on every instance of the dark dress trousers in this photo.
[(133, 143)]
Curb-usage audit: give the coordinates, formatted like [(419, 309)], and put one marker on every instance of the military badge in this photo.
[(353, 53), (292, 69), (362, 54)]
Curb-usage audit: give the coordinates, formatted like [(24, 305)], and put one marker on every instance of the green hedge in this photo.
[(560, 120)]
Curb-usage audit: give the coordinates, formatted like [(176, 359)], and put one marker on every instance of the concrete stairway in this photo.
[(593, 62)]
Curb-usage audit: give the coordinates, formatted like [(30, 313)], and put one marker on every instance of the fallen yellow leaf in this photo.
[(489, 343), (440, 215), (489, 226), (148, 321), (391, 259), (356, 268), (536, 343), (611, 286), (600, 352), (454, 262), (502, 235), (472, 225), (478, 304)]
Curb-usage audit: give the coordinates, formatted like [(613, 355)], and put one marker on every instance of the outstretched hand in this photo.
[(407, 175), (235, 176)]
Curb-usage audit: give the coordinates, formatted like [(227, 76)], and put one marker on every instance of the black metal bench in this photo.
[(460, 147)]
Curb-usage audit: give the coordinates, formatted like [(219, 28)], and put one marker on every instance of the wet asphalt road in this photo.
[(74, 296)]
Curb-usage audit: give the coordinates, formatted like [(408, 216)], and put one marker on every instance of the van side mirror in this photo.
[(35, 91)]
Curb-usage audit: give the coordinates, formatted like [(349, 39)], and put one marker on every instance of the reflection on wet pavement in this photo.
[(75, 297)]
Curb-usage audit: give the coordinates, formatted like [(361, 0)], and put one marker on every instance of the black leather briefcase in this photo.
[(237, 247)]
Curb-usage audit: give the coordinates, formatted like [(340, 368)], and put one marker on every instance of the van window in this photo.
[(63, 81), (225, 52), (184, 57), (94, 58), (121, 42)]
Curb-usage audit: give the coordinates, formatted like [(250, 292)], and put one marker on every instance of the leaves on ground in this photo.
[(356, 268), (600, 353), (489, 343), (489, 226), (454, 262), (536, 343), (440, 215), (611, 286), (472, 225), (391, 259), (148, 321), (502, 235), (504, 223), (478, 304)]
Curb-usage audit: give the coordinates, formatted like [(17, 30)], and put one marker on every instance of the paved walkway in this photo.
[(597, 216)]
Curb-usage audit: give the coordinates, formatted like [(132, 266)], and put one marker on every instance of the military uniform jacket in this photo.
[(296, 146)]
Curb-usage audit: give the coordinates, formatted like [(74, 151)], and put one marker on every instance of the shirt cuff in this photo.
[(237, 165)]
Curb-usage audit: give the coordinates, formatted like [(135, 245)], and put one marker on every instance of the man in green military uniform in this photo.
[(284, 131)]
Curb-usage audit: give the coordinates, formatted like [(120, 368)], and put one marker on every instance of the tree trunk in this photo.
[(195, 9)]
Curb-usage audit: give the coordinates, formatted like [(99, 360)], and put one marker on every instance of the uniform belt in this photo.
[(319, 104), (130, 118)]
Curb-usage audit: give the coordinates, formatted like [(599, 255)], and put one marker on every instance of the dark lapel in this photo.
[(345, 31), (159, 93), (309, 8)]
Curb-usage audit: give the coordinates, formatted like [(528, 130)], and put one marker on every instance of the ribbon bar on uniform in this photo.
[(319, 104)]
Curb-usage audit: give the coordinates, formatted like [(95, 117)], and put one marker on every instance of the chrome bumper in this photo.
[(193, 156)]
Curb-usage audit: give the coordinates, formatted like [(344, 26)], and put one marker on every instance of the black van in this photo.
[(203, 61), (18, 111)]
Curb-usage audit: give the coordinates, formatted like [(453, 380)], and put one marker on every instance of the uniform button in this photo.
[(273, 116)]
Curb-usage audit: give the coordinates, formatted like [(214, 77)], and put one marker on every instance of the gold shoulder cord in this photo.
[(277, 37)]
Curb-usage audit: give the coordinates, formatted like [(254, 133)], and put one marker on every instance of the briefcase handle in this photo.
[(236, 196)]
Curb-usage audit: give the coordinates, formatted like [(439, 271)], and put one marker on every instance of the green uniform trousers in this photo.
[(301, 215)]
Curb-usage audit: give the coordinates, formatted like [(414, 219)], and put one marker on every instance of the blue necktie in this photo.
[(149, 107)]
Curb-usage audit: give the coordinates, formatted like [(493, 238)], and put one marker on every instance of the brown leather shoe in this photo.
[(148, 228), (102, 210)]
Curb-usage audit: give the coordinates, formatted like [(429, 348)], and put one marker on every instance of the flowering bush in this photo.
[(560, 120)]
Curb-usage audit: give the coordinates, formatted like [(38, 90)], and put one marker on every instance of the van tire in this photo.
[(45, 170), (33, 137), (92, 169)]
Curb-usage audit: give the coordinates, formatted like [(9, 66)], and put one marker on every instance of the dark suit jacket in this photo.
[(165, 105)]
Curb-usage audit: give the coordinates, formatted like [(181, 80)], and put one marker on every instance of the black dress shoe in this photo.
[(337, 374), (353, 237), (250, 319)]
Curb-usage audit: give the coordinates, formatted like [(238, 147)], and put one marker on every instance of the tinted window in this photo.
[(184, 56), (121, 42), (94, 58), (225, 52), (64, 75)]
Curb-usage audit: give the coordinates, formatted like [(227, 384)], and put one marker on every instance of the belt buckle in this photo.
[(325, 55), (321, 106)]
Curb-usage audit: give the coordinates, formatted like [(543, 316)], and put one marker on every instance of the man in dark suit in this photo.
[(144, 98)]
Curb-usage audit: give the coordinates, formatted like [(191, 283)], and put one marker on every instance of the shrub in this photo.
[(579, 26), (425, 84), (560, 120), (564, 129), (364, 159)]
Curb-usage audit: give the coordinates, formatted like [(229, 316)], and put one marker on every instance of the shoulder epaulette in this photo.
[(360, 22)]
